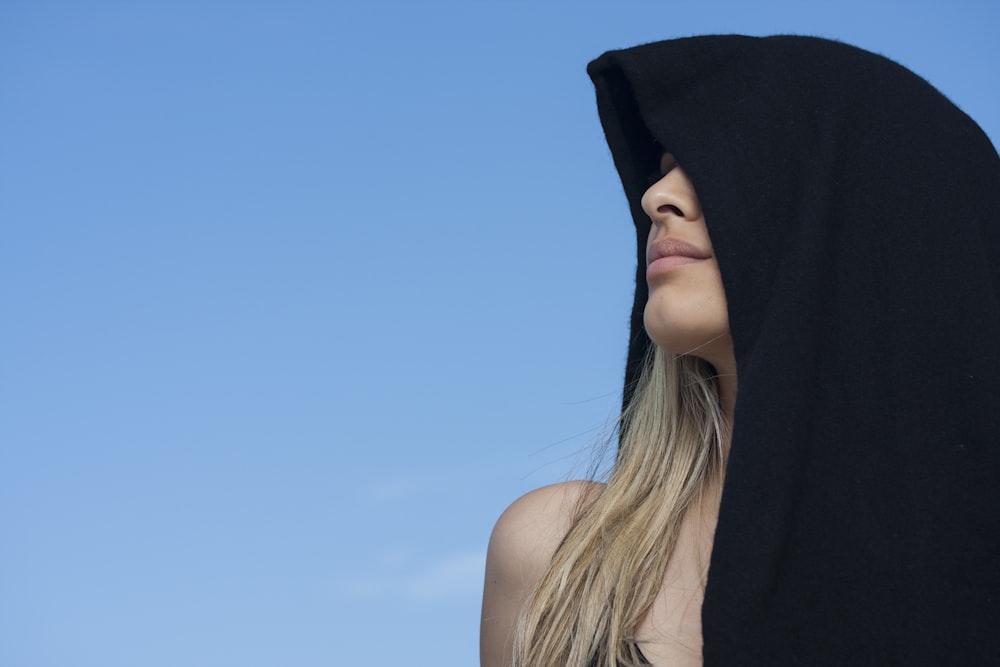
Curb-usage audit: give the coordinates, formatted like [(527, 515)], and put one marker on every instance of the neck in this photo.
[(727, 395), (726, 377)]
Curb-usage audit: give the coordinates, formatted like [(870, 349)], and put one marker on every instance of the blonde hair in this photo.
[(608, 569)]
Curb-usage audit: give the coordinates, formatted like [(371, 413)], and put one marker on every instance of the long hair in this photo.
[(608, 569)]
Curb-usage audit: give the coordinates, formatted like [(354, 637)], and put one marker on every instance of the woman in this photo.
[(841, 258)]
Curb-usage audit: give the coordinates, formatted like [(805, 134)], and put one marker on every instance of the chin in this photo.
[(706, 339)]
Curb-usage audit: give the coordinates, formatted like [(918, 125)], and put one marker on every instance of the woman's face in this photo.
[(686, 311)]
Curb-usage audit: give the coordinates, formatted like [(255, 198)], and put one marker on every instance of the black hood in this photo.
[(855, 216)]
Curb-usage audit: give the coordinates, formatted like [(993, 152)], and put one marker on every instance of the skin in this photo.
[(686, 311), (521, 547), (686, 314)]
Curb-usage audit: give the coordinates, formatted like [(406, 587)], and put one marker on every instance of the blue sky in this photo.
[(298, 296)]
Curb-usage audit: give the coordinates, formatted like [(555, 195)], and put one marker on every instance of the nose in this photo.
[(672, 196)]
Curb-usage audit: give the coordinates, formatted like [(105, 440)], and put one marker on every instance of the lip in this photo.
[(670, 252)]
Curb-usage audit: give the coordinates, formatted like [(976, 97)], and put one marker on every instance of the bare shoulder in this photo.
[(521, 547), (528, 532)]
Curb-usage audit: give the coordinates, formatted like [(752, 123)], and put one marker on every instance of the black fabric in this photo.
[(855, 215)]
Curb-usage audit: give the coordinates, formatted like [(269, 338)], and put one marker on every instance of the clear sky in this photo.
[(297, 296)]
